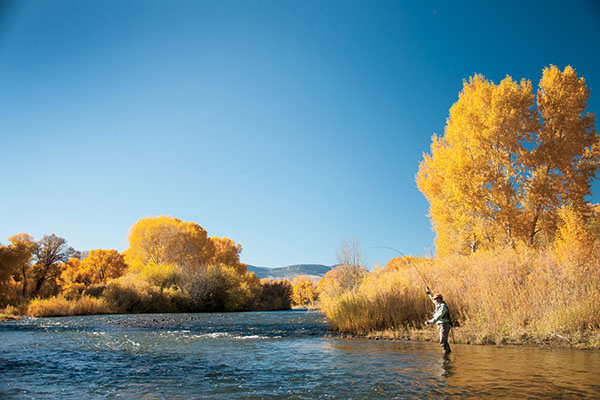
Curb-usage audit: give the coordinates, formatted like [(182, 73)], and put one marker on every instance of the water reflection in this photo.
[(473, 371), (524, 371), (446, 366)]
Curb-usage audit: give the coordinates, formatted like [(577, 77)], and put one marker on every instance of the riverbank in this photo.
[(499, 297), (579, 340), (464, 336)]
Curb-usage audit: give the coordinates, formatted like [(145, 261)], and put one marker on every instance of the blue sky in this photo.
[(284, 125)]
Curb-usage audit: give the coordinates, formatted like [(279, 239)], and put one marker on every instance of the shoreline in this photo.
[(5, 317), (553, 341)]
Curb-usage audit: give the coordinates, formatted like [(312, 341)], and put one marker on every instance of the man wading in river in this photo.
[(441, 317)]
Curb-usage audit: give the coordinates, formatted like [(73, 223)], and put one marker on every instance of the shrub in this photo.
[(223, 288), (275, 295), (132, 294), (95, 290)]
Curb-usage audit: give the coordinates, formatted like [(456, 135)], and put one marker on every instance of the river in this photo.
[(266, 355)]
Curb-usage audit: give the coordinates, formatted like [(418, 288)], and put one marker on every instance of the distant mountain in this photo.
[(313, 271)]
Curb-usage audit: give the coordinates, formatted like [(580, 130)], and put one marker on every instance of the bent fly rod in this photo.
[(405, 256), (417, 269)]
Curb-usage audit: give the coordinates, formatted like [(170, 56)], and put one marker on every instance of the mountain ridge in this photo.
[(313, 271)]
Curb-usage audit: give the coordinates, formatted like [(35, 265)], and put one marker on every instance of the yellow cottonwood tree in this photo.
[(172, 254), (499, 174), (16, 261), (476, 173), (566, 156), (97, 268), (166, 240)]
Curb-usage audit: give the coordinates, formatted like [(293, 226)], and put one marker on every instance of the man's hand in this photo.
[(427, 289)]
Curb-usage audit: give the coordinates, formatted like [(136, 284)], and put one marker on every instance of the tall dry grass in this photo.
[(61, 306), (498, 296), (380, 301)]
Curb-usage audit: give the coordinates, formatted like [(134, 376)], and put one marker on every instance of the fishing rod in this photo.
[(417, 269), (407, 258)]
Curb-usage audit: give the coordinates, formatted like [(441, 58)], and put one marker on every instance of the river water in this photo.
[(266, 355)]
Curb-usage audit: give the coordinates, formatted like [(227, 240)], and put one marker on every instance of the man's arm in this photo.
[(429, 294), (433, 301), (437, 315)]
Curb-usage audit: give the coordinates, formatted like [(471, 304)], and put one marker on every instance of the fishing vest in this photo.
[(445, 318)]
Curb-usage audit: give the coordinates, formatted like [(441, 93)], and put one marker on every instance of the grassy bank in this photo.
[(583, 340), (502, 296), (60, 306)]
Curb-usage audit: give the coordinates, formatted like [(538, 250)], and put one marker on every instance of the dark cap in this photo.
[(438, 296)]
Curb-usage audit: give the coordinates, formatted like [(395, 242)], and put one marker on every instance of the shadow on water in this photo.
[(266, 355)]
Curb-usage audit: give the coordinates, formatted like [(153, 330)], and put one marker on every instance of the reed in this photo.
[(61, 306), (382, 300)]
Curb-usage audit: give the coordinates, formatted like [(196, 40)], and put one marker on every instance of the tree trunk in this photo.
[(24, 291), (533, 231)]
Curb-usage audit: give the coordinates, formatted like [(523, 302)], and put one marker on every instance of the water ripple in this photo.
[(265, 356)]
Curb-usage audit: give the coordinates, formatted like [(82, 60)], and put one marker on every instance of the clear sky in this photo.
[(284, 125)]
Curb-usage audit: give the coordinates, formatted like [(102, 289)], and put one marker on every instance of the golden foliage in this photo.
[(168, 253), (567, 147), (98, 267), (574, 245), (15, 267), (74, 279), (227, 252), (305, 291), (160, 275), (166, 240), (502, 170), (104, 265)]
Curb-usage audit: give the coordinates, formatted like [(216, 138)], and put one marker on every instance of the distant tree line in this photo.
[(170, 266)]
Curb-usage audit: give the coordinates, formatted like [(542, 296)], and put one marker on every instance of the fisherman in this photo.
[(441, 317)]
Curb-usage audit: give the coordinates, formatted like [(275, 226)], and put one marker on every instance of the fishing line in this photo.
[(403, 255)]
